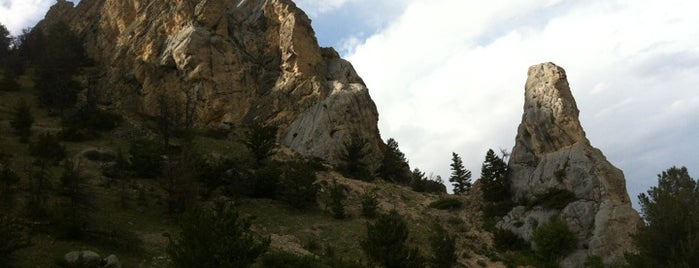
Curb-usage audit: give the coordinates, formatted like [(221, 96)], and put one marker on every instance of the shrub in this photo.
[(146, 157), (554, 240), (225, 242), (507, 240), (13, 236), (288, 260), (369, 205), (297, 185), (386, 243), (22, 121), (447, 203), (47, 149), (116, 239), (553, 199), (265, 181), (337, 196), (443, 247)]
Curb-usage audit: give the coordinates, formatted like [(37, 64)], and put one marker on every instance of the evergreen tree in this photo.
[(337, 196), (297, 185), (353, 158), (369, 204), (460, 176), (40, 187), (226, 240), (47, 149), (75, 212), (496, 186), (13, 236), (394, 167), (386, 243), (8, 181), (670, 235), (58, 55), (22, 121), (8, 82), (260, 140), (443, 247), (5, 42)]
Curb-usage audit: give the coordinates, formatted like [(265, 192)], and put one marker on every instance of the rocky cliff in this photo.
[(552, 155), (227, 62)]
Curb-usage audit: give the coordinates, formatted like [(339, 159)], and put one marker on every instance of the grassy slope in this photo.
[(312, 231)]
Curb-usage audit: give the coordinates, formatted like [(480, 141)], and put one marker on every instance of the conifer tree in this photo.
[(670, 234), (386, 243), (394, 167), (22, 121), (226, 240), (354, 165), (460, 176), (443, 247), (496, 187)]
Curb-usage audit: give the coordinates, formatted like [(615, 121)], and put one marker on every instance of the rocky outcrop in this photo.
[(552, 155), (225, 62)]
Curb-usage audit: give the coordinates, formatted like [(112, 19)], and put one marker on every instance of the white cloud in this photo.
[(448, 75), (19, 14)]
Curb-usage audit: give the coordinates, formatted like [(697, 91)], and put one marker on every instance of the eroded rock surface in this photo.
[(229, 62), (552, 154)]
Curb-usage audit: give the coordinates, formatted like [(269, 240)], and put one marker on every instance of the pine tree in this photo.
[(443, 247), (8, 181), (5, 41), (76, 210), (394, 167), (353, 158), (386, 243), (670, 235), (260, 140), (337, 196), (226, 240), (496, 187), (460, 176), (22, 121)]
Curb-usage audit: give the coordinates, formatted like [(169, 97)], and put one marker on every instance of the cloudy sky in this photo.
[(448, 75)]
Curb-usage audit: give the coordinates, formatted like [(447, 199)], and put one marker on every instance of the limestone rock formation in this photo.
[(551, 155), (225, 62)]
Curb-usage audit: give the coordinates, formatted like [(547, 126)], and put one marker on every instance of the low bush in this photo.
[(369, 205), (553, 199), (507, 240), (554, 240), (447, 203)]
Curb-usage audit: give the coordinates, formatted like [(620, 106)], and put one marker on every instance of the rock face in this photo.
[(552, 154), (230, 62)]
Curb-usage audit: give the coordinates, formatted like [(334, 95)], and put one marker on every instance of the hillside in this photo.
[(311, 231)]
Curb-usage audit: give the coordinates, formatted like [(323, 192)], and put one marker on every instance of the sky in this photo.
[(448, 75)]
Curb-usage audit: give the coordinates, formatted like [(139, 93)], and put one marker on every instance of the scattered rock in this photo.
[(83, 258), (111, 261)]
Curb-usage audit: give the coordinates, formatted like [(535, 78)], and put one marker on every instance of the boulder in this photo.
[(111, 261), (84, 258)]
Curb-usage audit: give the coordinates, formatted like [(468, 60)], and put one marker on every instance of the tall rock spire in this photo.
[(552, 154)]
